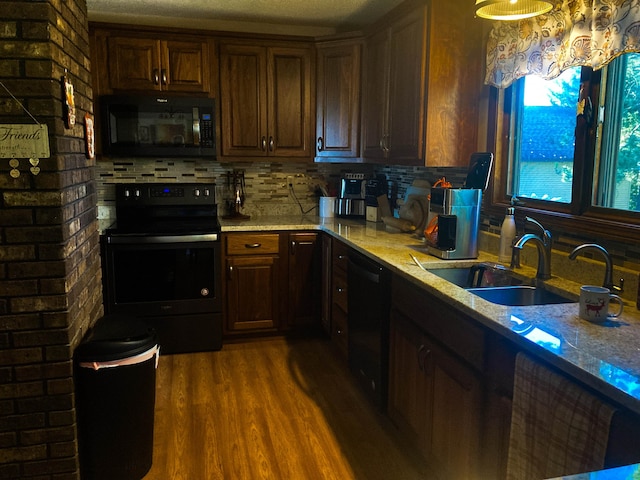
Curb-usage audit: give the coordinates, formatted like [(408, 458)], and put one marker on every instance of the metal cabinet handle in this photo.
[(263, 143), (230, 272), (164, 76), (252, 245), (339, 289), (271, 144), (156, 77), (320, 144)]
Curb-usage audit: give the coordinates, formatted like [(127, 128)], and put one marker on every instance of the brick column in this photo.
[(50, 277)]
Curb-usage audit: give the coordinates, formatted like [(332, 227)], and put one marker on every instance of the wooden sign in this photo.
[(24, 141)]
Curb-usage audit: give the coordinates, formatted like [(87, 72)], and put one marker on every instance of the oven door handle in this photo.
[(126, 239)]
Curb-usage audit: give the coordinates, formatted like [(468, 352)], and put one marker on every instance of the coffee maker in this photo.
[(351, 202), (458, 221)]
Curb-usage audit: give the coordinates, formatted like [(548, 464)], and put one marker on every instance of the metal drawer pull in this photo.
[(156, 77), (252, 245)]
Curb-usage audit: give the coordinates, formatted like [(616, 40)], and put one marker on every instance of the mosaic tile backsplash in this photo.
[(267, 191)]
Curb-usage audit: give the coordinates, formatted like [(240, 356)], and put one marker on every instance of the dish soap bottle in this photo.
[(507, 234)]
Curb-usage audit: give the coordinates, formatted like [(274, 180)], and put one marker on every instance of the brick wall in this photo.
[(49, 257)]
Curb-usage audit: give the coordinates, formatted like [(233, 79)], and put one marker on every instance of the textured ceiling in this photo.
[(303, 17)]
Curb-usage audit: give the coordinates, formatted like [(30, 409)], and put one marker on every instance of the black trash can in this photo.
[(115, 379)]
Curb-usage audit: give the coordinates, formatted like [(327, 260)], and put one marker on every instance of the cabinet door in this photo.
[(134, 63), (243, 96), (252, 292), (303, 279), (454, 84), (325, 299), (408, 383), (185, 66), (375, 96), (289, 102), (338, 101), (407, 60), (455, 420)]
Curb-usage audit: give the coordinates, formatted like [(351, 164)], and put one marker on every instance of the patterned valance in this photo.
[(575, 33)]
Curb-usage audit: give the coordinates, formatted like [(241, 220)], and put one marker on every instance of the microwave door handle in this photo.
[(196, 126)]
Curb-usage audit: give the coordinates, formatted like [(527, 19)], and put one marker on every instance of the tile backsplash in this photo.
[(267, 191)]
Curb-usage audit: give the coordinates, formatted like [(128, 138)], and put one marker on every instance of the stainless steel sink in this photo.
[(520, 295), (479, 275)]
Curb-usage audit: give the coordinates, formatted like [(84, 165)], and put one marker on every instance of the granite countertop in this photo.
[(603, 356)]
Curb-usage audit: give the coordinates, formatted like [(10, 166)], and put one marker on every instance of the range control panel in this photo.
[(152, 194)]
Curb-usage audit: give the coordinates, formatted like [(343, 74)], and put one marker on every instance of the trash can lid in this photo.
[(115, 337)]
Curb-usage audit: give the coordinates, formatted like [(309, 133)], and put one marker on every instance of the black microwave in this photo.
[(158, 126)]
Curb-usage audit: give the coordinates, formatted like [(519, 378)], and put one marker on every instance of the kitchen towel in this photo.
[(557, 428)]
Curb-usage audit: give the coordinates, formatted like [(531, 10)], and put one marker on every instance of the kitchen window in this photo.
[(571, 147)]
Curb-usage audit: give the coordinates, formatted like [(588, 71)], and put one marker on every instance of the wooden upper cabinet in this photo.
[(243, 99), (338, 100), (394, 90), (266, 94), (375, 100), (407, 40), (421, 87), (455, 83), (158, 65)]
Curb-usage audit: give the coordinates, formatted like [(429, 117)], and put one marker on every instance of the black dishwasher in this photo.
[(369, 300)]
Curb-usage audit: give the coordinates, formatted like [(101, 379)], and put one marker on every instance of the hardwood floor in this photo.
[(271, 409)]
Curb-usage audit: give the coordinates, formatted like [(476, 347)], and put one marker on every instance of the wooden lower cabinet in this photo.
[(304, 279), (271, 282), (339, 295), (435, 396), (252, 281)]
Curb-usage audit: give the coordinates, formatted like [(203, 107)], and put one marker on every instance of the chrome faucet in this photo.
[(608, 273), (543, 243)]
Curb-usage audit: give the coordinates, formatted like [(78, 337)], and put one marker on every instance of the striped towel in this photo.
[(557, 428)]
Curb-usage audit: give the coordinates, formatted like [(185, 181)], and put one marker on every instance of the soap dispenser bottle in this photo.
[(507, 235)]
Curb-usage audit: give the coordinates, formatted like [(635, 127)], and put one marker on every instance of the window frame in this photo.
[(580, 216)]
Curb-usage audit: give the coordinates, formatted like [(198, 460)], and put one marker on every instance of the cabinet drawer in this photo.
[(340, 259), (339, 329), (252, 244), (340, 297)]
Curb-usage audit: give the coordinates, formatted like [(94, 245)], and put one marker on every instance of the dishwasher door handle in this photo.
[(365, 273)]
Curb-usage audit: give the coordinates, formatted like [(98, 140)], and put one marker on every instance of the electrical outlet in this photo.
[(290, 180)]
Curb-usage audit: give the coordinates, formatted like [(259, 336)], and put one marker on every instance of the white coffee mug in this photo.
[(594, 303)]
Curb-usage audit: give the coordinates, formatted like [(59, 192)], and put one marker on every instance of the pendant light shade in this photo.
[(511, 9)]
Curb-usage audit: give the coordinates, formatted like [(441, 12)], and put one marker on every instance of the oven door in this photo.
[(149, 275)]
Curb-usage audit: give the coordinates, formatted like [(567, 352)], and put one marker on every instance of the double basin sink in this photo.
[(499, 285)]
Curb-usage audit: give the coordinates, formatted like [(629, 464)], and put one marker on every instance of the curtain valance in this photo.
[(575, 33)]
